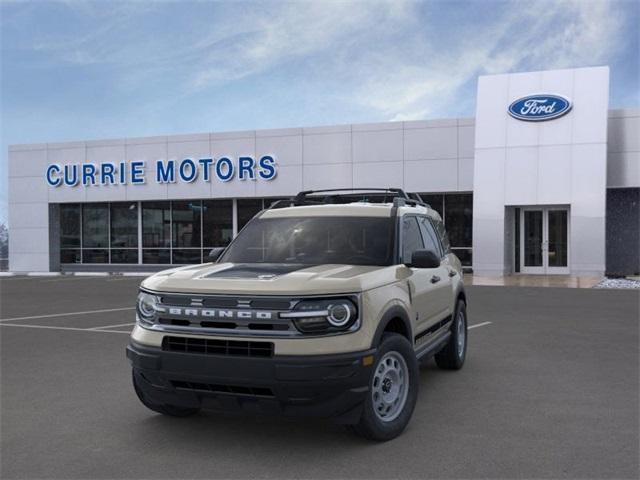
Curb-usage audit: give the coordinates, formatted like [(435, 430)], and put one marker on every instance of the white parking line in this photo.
[(48, 327), (113, 326), (67, 314), (478, 325)]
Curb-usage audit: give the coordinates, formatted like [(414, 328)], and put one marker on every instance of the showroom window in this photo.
[(217, 224), (249, 207), (124, 232), (70, 236), (95, 233), (456, 210), (156, 232), (186, 228)]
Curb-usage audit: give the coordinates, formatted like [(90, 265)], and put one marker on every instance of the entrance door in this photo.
[(544, 240)]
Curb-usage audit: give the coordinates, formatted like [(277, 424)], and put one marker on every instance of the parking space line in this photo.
[(88, 312), (479, 325), (49, 327), (113, 326)]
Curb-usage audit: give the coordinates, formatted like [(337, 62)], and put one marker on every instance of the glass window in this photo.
[(156, 255), (442, 235), (435, 201), (465, 255), (95, 225), (217, 223), (70, 255), (128, 255), (95, 255), (186, 255), (156, 224), (124, 225), (411, 238), (314, 241), (458, 218), (247, 209), (186, 225), (69, 226), (430, 237)]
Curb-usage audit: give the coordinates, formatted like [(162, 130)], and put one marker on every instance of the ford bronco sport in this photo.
[(322, 305)]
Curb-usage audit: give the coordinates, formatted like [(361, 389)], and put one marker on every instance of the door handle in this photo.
[(452, 273), (435, 279)]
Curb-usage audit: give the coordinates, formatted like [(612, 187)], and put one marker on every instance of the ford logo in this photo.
[(536, 108)]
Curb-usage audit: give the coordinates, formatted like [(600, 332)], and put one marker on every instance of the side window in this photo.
[(430, 237), (442, 233), (411, 238)]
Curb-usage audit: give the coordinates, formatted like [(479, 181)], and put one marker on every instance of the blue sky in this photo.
[(81, 70)]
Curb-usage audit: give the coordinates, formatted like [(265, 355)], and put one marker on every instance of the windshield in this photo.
[(314, 241)]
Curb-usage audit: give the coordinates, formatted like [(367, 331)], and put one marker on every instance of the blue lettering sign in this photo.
[(188, 174), (137, 173), (224, 169), (166, 171), (206, 168), (165, 174), (51, 180), (106, 173), (245, 168), (267, 168)]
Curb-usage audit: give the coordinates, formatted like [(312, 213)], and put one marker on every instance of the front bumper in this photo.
[(319, 385)]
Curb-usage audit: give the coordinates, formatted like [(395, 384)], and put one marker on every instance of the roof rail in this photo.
[(310, 197)]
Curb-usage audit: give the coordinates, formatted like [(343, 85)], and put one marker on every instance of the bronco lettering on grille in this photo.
[(214, 313)]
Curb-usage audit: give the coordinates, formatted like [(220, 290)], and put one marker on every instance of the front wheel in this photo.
[(393, 390), (452, 356)]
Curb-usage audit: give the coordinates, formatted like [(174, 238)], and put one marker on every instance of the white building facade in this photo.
[(545, 179)]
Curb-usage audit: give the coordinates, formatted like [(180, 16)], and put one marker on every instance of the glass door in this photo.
[(532, 241), (544, 240), (557, 240)]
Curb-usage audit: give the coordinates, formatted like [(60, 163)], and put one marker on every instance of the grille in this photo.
[(231, 389), (281, 326), (217, 347)]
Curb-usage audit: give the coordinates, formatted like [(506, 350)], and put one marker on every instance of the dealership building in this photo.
[(544, 180)]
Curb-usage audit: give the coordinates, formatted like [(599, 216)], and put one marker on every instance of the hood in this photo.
[(271, 279)]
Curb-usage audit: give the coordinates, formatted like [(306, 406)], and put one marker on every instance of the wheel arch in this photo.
[(395, 319)]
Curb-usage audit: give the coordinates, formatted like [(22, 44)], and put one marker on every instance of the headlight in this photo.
[(324, 316), (146, 307)]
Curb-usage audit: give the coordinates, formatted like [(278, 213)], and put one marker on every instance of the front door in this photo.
[(544, 240)]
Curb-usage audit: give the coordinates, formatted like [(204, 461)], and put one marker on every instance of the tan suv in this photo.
[(322, 305)]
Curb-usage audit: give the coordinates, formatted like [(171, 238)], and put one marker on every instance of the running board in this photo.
[(434, 346)]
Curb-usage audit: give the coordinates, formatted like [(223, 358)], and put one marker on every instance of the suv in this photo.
[(322, 305)]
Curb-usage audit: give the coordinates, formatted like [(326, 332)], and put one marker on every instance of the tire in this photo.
[(164, 409), (382, 421), (452, 356)]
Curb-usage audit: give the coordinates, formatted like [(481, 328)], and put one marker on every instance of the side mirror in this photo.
[(424, 259), (215, 253)]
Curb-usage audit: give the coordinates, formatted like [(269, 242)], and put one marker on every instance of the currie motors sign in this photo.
[(537, 108), (188, 170)]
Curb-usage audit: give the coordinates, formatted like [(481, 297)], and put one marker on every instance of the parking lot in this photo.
[(550, 390)]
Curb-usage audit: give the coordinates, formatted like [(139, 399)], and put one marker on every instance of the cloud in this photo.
[(393, 58), (531, 36), (295, 30)]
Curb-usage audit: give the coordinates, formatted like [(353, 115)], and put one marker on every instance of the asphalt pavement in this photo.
[(549, 390)]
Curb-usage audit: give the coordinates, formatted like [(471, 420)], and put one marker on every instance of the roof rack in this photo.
[(311, 197)]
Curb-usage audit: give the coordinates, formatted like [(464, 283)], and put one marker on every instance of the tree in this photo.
[(4, 241)]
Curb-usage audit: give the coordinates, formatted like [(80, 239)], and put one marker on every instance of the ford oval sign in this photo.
[(536, 108)]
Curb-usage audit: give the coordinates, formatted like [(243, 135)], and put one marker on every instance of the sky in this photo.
[(73, 70)]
